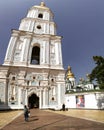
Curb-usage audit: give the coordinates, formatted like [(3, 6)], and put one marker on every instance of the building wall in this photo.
[(19, 76), (17, 84), (93, 100)]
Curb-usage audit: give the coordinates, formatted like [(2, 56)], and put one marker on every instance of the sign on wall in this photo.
[(80, 101)]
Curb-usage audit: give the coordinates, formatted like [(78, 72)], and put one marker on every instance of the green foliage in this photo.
[(97, 73), (84, 91)]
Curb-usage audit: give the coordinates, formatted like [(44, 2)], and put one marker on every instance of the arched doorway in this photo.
[(33, 101)]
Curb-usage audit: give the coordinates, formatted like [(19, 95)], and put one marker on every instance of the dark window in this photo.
[(40, 16), (33, 77), (39, 27), (12, 98), (13, 78), (52, 80), (35, 58)]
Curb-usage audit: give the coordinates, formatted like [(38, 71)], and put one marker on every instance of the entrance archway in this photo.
[(33, 101)]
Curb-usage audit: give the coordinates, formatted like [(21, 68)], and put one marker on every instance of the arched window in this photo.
[(40, 15), (35, 58)]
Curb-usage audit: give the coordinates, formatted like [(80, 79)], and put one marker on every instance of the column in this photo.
[(59, 97), (46, 51), (25, 52), (47, 97), (11, 48), (26, 102), (44, 97), (40, 99), (19, 96), (57, 53), (60, 53)]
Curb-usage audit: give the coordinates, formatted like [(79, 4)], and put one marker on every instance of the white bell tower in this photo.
[(36, 42), (34, 73)]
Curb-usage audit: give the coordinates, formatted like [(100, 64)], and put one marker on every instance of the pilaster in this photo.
[(26, 47), (11, 49), (59, 95)]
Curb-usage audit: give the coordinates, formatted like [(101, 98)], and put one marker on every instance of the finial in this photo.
[(69, 68), (42, 4)]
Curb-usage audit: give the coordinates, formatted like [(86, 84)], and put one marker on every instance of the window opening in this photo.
[(40, 16), (38, 27), (13, 78), (33, 77), (35, 58)]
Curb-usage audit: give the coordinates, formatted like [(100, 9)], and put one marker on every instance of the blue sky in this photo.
[(80, 22)]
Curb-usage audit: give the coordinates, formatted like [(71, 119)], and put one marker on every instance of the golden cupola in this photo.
[(69, 73)]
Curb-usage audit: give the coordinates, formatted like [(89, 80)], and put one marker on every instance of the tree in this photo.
[(97, 73)]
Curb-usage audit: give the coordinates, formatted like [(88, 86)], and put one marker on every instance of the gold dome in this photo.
[(69, 73)]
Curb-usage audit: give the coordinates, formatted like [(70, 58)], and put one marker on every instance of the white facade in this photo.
[(33, 73), (90, 100)]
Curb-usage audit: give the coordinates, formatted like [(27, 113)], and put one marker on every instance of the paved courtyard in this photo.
[(54, 120)]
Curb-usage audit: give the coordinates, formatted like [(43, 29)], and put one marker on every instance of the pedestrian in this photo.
[(26, 113), (63, 107)]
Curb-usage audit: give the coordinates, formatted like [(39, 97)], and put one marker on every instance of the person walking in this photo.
[(26, 113), (63, 107)]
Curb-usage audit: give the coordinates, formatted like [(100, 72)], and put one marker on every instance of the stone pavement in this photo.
[(8, 116), (58, 120), (93, 115)]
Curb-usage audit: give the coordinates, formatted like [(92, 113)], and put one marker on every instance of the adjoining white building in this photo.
[(81, 95), (33, 73)]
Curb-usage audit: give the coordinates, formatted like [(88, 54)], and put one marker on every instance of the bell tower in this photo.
[(35, 43), (34, 73)]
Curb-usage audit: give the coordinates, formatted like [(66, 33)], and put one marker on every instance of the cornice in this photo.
[(31, 34), (38, 20), (23, 68), (42, 9)]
